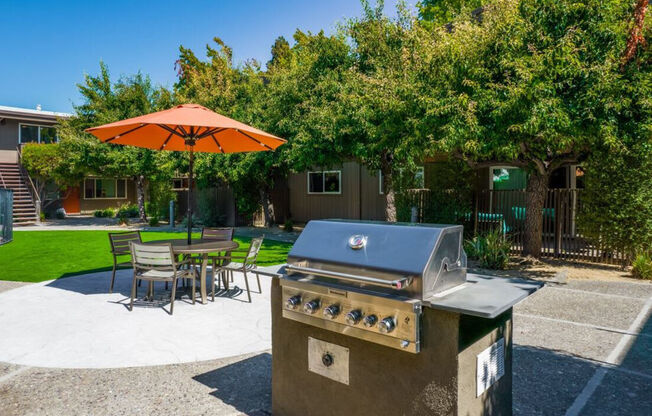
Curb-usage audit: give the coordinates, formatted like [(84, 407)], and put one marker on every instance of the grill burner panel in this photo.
[(383, 320)]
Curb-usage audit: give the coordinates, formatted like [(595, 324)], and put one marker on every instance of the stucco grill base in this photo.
[(440, 380)]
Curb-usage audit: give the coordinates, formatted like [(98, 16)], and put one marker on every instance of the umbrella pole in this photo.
[(189, 211)]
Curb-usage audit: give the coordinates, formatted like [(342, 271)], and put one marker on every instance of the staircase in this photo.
[(24, 209)]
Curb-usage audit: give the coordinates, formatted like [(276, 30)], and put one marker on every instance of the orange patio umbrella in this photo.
[(188, 127)]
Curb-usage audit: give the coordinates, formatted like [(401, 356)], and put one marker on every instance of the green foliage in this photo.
[(490, 250), (42, 216), (104, 213), (160, 195), (445, 11), (127, 211), (209, 212), (642, 266), (153, 221), (105, 102), (60, 213), (616, 209), (288, 226)]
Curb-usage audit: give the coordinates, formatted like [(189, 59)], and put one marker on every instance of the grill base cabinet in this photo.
[(439, 380)]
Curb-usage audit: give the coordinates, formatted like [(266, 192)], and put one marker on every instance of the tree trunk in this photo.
[(268, 207), (536, 190), (140, 191), (388, 188)]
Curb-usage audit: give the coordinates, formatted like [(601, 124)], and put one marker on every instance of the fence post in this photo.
[(558, 212)]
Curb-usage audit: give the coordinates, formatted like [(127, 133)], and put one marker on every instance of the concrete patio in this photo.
[(583, 348), (75, 323)]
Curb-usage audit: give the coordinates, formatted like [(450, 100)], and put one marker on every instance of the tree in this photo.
[(441, 12), (53, 164), (238, 92), (106, 102), (527, 86), (381, 98)]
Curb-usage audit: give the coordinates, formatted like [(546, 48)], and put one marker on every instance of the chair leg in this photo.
[(173, 295), (247, 285), (193, 290), (133, 294), (213, 287), (260, 290), (113, 275)]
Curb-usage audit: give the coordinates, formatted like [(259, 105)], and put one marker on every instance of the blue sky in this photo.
[(48, 46)]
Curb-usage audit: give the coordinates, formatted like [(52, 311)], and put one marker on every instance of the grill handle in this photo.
[(399, 284)]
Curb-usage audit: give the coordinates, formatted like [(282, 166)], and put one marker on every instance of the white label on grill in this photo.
[(328, 360), (491, 366)]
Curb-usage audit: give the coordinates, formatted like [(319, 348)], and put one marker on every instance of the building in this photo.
[(19, 126)]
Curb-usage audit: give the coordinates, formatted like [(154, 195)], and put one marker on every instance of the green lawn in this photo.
[(35, 256)]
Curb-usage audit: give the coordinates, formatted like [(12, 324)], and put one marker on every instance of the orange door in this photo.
[(71, 202)]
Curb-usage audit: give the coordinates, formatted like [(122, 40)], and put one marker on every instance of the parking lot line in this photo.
[(599, 327), (589, 292), (598, 376)]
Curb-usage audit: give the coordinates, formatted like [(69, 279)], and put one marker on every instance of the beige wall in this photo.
[(87, 206), (359, 197)]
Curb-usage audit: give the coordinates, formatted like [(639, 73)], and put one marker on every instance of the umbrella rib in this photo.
[(124, 133), (217, 143), (173, 131), (165, 143), (256, 140), (210, 132)]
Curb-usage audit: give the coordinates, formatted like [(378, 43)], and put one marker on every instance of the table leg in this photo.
[(202, 283)]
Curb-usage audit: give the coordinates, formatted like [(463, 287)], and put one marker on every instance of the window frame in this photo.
[(185, 184), (95, 179), (40, 126), (323, 179)]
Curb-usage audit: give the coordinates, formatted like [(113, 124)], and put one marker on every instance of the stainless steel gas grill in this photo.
[(384, 318), (368, 280)]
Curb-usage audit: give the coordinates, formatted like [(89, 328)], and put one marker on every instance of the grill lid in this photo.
[(397, 248)]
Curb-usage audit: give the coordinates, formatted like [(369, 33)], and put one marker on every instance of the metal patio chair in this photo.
[(157, 263), (217, 234), (249, 258), (120, 247)]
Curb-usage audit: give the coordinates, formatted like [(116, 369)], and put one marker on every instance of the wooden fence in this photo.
[(482, 211)]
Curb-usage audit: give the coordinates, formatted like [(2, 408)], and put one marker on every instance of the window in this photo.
[(507, 178), (30, 133), (326, 182), (180, 184), (419, 179), (104, 188)]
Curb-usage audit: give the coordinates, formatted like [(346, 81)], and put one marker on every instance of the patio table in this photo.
[(202, 248)]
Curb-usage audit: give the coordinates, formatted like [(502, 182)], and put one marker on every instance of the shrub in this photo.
[(128, 211), (153, 221), (642, 265), (490, 250), (104, 213), (288, 226), (42, 216), (61, 213), (196, 221)]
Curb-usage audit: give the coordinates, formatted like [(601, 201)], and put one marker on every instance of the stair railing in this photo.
[(32, 189)]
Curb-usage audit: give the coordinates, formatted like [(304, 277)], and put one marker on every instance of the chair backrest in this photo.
[(254, 249), (152, 256), (120, 241), (220, 234)]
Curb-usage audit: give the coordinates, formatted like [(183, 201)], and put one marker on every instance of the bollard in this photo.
[(414, 217), (172, 213)]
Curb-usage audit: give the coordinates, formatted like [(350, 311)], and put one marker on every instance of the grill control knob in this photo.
[(293, 302), (312, 306), (332, 311), (353, 317), (370, 321), (386, 325)]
